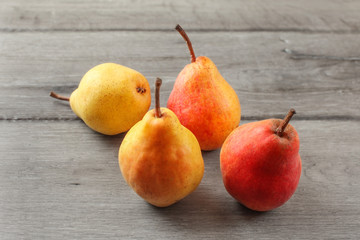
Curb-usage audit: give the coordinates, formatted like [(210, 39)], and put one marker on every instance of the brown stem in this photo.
[(57, 96), (185, 36), (280, 130), (158, 113)]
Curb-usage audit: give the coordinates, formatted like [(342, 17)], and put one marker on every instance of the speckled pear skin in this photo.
[(205, 103), (261, 169), (111, 98), (160, 159)]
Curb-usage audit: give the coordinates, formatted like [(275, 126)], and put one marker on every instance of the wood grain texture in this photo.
[(234, 15), (267, 80), (59, 179)]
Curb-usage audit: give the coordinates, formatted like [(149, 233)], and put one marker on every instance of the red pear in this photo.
[(203, 101), (260, 163)]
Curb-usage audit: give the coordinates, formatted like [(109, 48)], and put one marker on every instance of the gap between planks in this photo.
[(243, 118), (200, 30)]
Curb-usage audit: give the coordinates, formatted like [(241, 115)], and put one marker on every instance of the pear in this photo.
[(203, 101), (110, 98), (160, 159), (260, 163)]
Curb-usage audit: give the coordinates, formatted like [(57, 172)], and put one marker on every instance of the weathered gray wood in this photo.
[(268, 80), (255, 15), (59, 179)]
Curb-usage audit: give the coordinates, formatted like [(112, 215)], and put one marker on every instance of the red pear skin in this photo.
[(261, 168), (204, 102)]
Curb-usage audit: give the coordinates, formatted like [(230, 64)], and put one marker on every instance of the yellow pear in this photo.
[(110, 98), (161, 159)]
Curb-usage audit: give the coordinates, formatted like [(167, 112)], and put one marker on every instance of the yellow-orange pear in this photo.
[(160, 159), (110, 98), (203, 101)]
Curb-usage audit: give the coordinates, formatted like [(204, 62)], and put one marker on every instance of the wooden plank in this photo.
[(83, 15), (59, 179), (316, 73)]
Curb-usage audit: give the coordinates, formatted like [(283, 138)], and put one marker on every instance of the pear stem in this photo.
[(280, 130), (158, 83), (57, 96), (187, 39)]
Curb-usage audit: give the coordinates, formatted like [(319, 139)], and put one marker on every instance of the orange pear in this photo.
[(203, 101), (161, 159)]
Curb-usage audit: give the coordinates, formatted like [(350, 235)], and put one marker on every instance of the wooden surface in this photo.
[(60, 180)]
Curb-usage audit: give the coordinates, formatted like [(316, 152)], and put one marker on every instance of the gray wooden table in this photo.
[(60, 180)]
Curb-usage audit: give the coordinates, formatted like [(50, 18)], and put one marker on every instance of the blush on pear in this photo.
[(260, 163)]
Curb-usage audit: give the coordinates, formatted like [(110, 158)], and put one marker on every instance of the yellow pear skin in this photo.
[(111, 98), (161, 159)]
